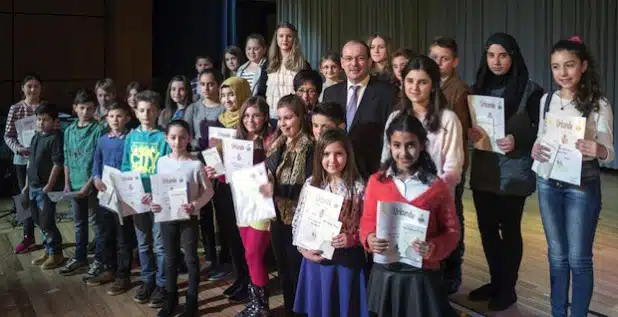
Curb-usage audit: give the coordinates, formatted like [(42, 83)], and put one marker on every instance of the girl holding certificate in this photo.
[(502, 182), (336, 285), (570, 213), (182, 232), (256, 236), (289, 164), (409, 177)]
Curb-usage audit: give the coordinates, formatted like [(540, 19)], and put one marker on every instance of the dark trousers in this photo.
[(499, 219), (288, 261), (116, 242), (226, 219), (452, 264), (176, 234), (20, 171), (207, 228)]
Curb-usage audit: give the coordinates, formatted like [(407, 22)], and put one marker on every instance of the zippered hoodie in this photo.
[(79, 146), (142, 150)]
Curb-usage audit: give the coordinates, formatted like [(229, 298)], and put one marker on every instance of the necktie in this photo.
[(352, 105)]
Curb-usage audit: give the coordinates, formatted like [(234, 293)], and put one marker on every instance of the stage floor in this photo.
[(25, 290)]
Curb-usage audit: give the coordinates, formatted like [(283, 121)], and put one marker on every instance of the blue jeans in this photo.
[(82, 215), (148, 238), (44, 215), (570, 214)]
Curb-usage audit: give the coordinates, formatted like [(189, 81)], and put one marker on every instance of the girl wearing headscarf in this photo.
[(501, 182), (233, 93)]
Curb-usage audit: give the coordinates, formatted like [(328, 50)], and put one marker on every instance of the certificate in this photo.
[(319, 221), (25, 127), (487, 114), (22, 207), (109, 198), (401, 224), (170, 192), (130, 189), (249, 204), (58, 196), (221, 133), (237, 155), (213, 159), (561, 134)]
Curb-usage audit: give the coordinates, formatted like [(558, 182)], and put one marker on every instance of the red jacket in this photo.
[(443, 229)]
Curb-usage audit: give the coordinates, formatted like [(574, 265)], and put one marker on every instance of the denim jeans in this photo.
[(44, 215), (116, 242), (82, 215), (570, 214), (149, 237)]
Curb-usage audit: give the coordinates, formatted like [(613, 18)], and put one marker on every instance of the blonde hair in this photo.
[(295, 61)]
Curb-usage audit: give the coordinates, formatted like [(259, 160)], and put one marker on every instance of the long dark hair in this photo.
[(240, 56), (588, 91), (406, 122), (170, 105), (350, 174), (437, 101)]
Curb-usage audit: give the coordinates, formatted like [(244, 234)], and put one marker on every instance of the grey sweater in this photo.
[(511, 174), (195, 114)]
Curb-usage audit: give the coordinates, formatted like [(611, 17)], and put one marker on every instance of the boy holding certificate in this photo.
[(142, 149), (114, 236)]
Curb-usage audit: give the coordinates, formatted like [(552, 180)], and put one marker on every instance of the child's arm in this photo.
[(57, 156), (86, 188), (67, 181), (445, 242), (10, 134), (53, 176), (206, 190)]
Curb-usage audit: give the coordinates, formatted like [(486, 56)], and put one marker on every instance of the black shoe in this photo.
[(191, 308), (170, 306), (143, 293), (72, 267), (482, 293), (119, 286), (233, 288), (258, 306), (95, 269), (502, 301), (157, 298), (241, 295), (451, 286), (92, 247)]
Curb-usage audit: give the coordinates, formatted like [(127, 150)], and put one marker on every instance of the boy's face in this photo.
[(45, 123), (321, 123), (105, 98), (444, 58), (201, 64), (85, 111), (147, 113), (117, 119)]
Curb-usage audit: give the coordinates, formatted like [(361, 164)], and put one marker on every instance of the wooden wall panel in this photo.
[(67, 47), (68, 7), (6, 53), (6, 6)]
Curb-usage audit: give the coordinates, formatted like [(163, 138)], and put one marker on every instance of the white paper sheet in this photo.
[(487, 114), (221, 133), (237, 155), (249, 204), (213, 159), (169, 191), (109, 198), (401, 224), (58, 196), (25, 127), (129, 187)]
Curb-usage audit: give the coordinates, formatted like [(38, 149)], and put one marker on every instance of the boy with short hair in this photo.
[(443, 51), (80, 140), (105, 89), (116, 241), (44, 174), (201, 63), (142, 149), (327, 115)]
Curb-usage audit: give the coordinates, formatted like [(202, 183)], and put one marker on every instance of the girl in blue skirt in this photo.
[(334, 287)]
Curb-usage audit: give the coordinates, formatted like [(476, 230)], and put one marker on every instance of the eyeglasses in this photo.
[(358, 59), (310, 92)]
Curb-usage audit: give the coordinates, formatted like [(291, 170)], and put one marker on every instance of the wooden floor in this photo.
[(25, 290)]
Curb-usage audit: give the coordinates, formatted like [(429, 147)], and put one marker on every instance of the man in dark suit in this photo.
[(367, 102)]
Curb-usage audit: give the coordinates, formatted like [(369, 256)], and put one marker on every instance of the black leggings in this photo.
[(288, 261), (174, 234)]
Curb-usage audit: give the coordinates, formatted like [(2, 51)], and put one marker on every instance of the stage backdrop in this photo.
[(325, 25)]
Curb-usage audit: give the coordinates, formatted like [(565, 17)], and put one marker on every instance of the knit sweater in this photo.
[(108, 152), (79, 146)]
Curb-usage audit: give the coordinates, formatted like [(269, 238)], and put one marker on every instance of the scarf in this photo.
[(240, 86)]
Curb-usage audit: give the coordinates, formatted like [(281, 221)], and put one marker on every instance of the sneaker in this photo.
[(72, 267), (95, 269), (103, 278), (120, 286), (53, 261), (92, 247), (41, 259), (24, 245), (157, 298), (241, 295), (481, 294), (142, 295), (217, 274)]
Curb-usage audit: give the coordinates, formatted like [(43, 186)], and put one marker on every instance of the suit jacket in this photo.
[(367, 131)]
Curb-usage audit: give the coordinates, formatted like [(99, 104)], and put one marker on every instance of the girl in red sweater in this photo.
[(409, 176)]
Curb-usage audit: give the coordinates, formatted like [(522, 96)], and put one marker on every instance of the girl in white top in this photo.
[(285, 59), (423, 98), (199, 192), (570, 213)]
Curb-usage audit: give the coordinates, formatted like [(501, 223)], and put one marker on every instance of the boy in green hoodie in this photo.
[(80, 141), (142, 149)]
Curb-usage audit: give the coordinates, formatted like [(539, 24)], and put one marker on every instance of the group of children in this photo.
[(303, 142)]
